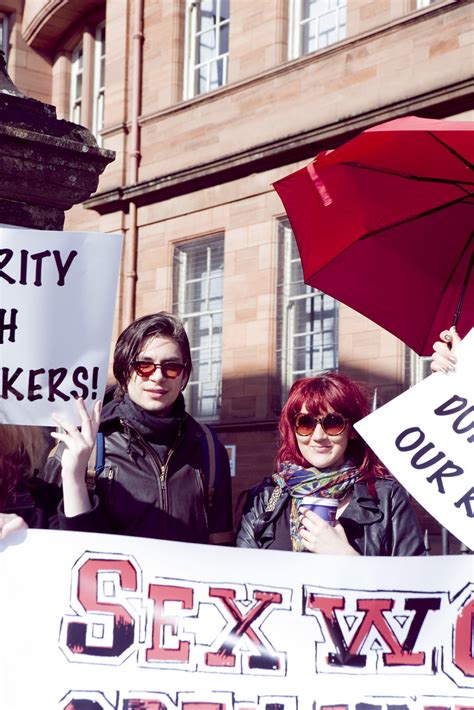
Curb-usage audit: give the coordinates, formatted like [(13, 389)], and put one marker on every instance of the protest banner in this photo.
[(425, 437), (101, 622), (57, 300)]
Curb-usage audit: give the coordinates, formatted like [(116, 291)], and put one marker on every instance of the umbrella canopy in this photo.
[(385, 224)]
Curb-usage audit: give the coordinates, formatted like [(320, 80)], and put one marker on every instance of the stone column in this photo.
[(47, 165)]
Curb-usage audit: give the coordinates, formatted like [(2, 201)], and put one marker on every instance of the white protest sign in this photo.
[(107, 622), (57, 300), (425, 437)]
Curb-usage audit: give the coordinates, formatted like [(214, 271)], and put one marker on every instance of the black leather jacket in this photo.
[(35, 501), (387, 526), (134, 495)]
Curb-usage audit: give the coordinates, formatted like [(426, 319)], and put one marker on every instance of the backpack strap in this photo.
[(208, 447), (96, 461)]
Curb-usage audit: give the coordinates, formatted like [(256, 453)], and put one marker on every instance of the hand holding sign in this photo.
[(425, 437)]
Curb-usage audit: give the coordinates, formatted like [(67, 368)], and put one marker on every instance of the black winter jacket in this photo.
[(387, 526), (35, 501), (138, 494)]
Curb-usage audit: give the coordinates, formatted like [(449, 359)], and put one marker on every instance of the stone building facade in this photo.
[(206, 103)]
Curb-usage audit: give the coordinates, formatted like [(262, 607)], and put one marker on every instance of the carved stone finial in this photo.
[(47, 165)]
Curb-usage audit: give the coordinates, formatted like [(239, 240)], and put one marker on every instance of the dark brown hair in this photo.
[(132, 340)]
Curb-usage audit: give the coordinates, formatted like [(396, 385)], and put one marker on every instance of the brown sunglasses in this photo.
[(332, 424)]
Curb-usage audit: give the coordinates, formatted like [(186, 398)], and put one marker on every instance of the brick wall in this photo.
[(395, 61)]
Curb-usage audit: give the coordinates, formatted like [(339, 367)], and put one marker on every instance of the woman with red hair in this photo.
[(322, 455)]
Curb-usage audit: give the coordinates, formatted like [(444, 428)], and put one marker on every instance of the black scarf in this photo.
[(155, 429)]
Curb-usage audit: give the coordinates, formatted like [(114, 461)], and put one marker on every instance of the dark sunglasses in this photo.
[(169, 369), (332, 424)]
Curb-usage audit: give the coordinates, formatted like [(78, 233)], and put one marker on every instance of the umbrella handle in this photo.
[(463, 290)]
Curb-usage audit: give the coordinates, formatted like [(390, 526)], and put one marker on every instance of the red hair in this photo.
[(330, 392)]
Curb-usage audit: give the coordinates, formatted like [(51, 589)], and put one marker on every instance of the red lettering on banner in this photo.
[(137, 704), (327, 606), (230, 702), (349, 654), (374, 617), (161, 594), (265, 659), (185, 700), (87, 593), (463, 634)]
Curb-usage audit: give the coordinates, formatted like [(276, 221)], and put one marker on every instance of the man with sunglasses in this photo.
[(153, 480)]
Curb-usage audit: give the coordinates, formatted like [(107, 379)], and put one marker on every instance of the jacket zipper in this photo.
[(160, 468), (164, 472)]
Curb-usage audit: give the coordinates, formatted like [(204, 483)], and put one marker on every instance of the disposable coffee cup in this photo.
[(325, 507)]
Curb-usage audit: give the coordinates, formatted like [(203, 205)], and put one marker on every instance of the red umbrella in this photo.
[(385, 222)]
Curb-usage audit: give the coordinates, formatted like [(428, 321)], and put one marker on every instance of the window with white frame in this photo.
[(198, 288), (207, 46), (99, 83), (425, 3), (307, 320), (4, 34), (315, 24), (77, 72), (88, 80)]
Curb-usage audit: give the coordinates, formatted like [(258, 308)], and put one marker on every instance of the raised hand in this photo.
[(79, 442)]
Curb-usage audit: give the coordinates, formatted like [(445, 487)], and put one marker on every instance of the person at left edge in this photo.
[(153, 483), (25, 500)]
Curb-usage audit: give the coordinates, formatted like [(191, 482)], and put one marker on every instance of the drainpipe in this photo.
[(134, 162)]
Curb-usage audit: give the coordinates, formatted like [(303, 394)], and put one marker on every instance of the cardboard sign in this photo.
[(103, 622), (425, 437), (57, 300)]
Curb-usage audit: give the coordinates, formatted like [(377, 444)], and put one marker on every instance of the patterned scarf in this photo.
[(300, 482)]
